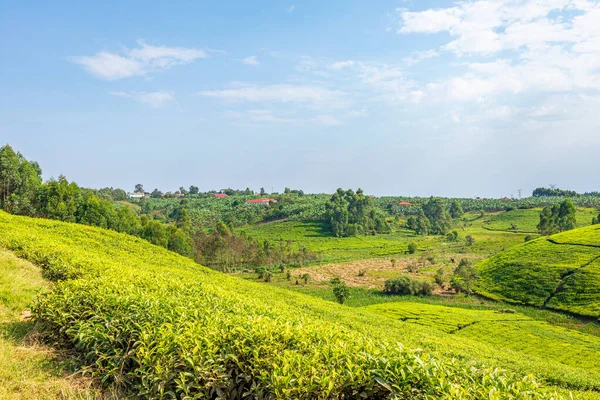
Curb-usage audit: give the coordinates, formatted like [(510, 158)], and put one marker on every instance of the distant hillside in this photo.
[(159, 325), (560, 272)]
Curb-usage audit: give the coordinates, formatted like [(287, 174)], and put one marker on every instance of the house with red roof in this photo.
[(220, 195), (405, 203)]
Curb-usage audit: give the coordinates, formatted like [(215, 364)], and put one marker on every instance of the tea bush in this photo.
[(157, 325)]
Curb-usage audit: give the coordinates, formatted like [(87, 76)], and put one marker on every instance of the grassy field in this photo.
[(29, 370), (560, 272), (145, 318)]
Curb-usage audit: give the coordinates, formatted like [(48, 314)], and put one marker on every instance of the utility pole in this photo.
[(519, 190), (552, 186)]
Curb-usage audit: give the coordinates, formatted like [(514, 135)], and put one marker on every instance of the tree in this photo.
[(182, 190), (464, 277), (440, 277), (412, 248), (557, 218), (155, 233), (341, 291), (184, 222), (262, 191), (470, 240), (350, 214), (139, 188), (456, 210), (194, 190), (549, 220), (566, 215), (156, 194), (437, 214)]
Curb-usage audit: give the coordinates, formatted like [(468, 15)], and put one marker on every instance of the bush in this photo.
[(440, 277), (405, 285), (470, 240), (452, 236), (412, 248), (361, 272), (341, 292), (160, 326)]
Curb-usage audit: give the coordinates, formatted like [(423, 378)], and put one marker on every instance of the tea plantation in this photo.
[(561, 272), (156, 325)]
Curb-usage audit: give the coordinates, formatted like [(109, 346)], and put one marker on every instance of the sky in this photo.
[(421, 97)]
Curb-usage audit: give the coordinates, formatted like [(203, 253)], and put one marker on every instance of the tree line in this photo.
[(434, 217), (22, 192)]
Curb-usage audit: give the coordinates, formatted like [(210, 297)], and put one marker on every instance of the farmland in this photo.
[(119, 279), (314, 236), (559, 272)]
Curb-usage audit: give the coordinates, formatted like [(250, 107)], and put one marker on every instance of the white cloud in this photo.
[(110, 66), (153, 99), (282, 93), (291, 9), (341, 64), (550, 46), (419, 56), (251, 60), (491, 26), (328, 120), (137, 61)]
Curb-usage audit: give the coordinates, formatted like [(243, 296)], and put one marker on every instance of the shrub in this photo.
[(405, 285), (341, 292), (267, 276), (305, 278), (470, 240), (412, 248), (160, 326), (452, 236), (440, 277), (361, 272)]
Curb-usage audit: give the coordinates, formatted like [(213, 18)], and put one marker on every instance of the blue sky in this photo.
[(472, 98)]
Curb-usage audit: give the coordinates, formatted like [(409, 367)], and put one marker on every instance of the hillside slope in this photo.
[(561, 272), (28, 370), (158, 324)]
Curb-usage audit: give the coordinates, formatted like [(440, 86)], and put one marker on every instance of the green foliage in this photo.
[(452, 236), (547, 192), (469, 240), (432, 218), (440, 277), (464, 277), (341, 292), (405, 285), (138, 311), (558, 218), (412, 248), (456, 210), (351, 214)]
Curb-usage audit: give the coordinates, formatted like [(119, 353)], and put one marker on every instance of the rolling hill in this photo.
[(560, 272), (156, 324)]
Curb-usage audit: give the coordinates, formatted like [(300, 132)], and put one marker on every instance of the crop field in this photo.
[(526, 220), (153, 322), (314, 236), (559, 272), (513, 331)]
